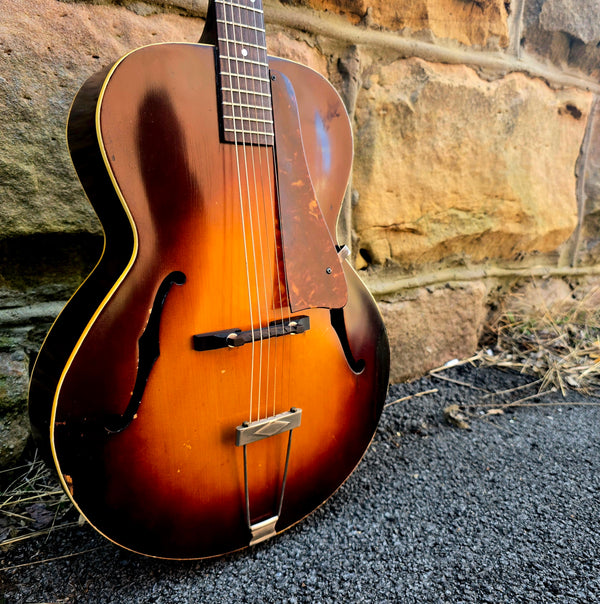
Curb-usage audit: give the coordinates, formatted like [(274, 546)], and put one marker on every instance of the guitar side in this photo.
[(118, 251)]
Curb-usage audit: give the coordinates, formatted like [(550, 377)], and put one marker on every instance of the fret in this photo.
[(236, 5), (246, 131), (249, 75), (246, 106), (244, 25), (238, 45), (243, 118), (257, 104), (252, 139), (245, 84), (232, 48), (233, 124), (234, 90), (243, 60), (246, 77)]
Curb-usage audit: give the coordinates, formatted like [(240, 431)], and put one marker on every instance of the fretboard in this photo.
[(246, 107)]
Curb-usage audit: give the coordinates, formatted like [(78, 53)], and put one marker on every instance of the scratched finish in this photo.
[(171, 483), (315, 277)]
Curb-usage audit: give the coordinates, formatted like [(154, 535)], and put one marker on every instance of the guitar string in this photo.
[(281, 286), (254, 216), (260, 46), (286, 344), (256, 223), (273, 258), (255, 150), (223, 5), (254, 213), (259, 27), (285, 313)]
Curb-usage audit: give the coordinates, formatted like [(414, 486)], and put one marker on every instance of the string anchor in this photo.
[(250, 432), (261, 531)]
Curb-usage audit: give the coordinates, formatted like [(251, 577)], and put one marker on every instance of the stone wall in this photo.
[(477, 155)]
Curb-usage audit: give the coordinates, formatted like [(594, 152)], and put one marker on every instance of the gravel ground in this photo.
[(507, 511)]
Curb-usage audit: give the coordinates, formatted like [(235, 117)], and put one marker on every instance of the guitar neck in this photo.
[(246, 107)]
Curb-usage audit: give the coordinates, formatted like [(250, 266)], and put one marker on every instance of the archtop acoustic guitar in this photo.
[(222, 370)]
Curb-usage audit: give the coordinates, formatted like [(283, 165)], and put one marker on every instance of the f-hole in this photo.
[(339, 324), (148, 352)]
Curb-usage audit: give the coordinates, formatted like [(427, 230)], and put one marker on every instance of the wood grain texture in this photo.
[(171, 483)]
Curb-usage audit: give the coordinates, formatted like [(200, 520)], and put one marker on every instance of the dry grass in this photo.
[(32, 504), (559, 346)]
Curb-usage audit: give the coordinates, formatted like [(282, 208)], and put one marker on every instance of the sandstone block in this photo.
[(482, 23), (427, 327), (565, 32), (588, 251), (537, 297), (46, 54), (450, 167), (578, 18), (14, 422)]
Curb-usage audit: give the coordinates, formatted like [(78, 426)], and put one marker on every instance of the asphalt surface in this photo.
[(506, 511)]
